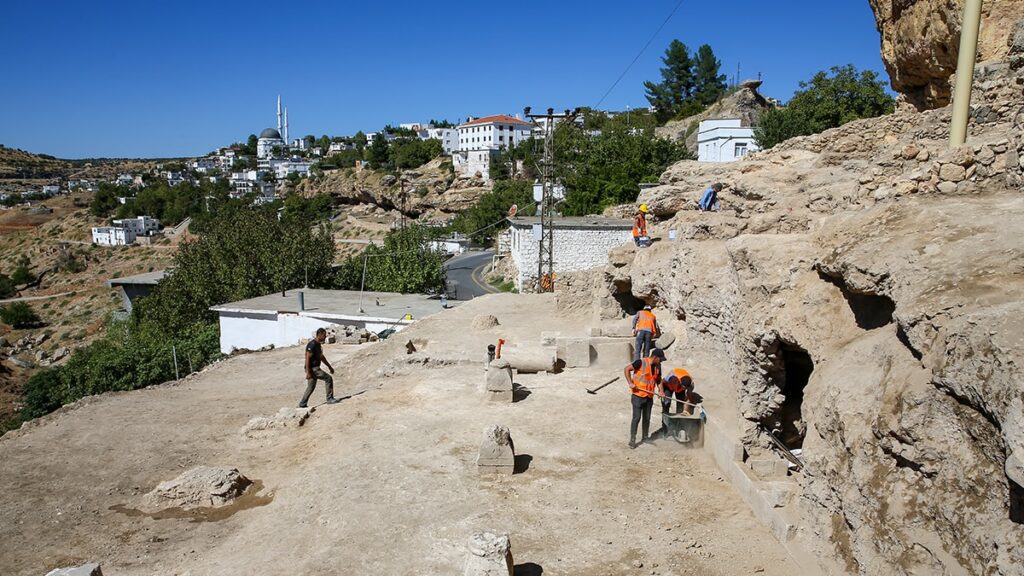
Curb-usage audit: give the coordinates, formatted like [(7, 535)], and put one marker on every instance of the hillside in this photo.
[(73, 304), (18, 167), (746, 103)]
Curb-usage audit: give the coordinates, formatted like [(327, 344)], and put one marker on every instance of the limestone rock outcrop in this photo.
[(747, 104), (199, 487), (921, 40), (863, 290)]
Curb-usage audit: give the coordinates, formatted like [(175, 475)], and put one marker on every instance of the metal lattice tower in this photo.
[(546, 250)]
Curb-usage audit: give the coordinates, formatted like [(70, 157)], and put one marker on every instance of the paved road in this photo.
[(466, 271)]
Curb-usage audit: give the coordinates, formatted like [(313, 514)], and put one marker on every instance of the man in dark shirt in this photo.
[(315, 357)]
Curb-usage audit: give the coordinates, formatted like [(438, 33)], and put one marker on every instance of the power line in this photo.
[(640, 53)]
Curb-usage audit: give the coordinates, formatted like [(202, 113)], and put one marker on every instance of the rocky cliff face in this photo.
[(746, 104), (431, 190), (863, 290), (921, 39)]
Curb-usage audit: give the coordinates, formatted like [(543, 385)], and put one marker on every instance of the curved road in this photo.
[(466, 275)]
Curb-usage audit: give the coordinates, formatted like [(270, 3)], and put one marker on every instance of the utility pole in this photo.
[(402, 211), (965, 72), (546, 249)]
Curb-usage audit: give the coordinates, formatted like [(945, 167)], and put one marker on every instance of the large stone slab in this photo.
[(497, 452), (83, 570), (498, 381), (490, 554), (574, 352), (612, 353)]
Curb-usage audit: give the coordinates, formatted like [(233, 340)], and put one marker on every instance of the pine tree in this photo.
[(677, 82), (709, 84)]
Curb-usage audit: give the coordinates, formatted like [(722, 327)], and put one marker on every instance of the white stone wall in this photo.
[(252, 330), (576, 248)]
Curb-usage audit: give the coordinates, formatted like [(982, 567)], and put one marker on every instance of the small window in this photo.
[(740, 150)]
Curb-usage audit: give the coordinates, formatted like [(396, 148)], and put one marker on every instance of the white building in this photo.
[(112, 236), (268, 141), (724, 140), (204, 165), (449, 138), (140, 225), (483, 138), (581, 243), (51, 190), (336, 147), (174, 178), (124, 180), (300, 167), (292, 319)]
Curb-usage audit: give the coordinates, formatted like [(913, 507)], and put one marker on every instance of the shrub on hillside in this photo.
[(6, 286), (19, 315), (825, 102)]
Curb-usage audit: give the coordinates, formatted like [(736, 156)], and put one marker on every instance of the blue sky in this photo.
[(160, 79)]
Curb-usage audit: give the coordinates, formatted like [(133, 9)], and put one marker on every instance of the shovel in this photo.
[(594, 390)]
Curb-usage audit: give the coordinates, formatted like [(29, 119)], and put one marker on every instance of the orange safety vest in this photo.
[(639, 226), (645, 380), (645, 320), (679, 374)]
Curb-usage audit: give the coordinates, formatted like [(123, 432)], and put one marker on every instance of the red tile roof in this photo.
[(497, 119)]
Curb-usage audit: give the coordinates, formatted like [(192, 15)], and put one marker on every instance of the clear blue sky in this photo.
[(159, 79)]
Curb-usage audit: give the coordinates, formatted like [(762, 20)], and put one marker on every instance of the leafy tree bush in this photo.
[(405, 263), (19, 315), (7, 288), (492, 207), (22, 275), (104, 202), (688, 84), (248, 253), (413, 153), (825, 102)]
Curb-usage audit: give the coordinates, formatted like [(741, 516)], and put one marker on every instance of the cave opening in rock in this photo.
[(1016, 502), (870, 311), (797, 367), (630, 304)]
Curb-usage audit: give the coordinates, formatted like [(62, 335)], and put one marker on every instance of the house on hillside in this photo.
[(449, 138), (141, 225), (581, 243), (134, 288), (113, 236), (724, 140), (483, 138)]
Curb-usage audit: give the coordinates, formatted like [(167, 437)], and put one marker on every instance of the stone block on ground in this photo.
[(497, 452), (574, 352), (530, 360), (83, 570), (484, 322), (490, 554), (204, 486), (285, 418), (498, 381), (664, 341), (612, 353), (549, 338), (622, 328)]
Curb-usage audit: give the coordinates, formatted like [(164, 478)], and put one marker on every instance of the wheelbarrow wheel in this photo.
[(680, 435)]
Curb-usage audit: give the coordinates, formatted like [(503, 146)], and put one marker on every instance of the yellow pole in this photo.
[(965, 72)]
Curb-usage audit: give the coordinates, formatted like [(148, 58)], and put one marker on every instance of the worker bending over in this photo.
[(644, 379), (646, 330), (679, 384)]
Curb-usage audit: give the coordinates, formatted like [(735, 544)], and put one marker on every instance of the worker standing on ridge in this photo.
[(315, 357), (679, 384), (645, 330), (644, 378), (640, 226)]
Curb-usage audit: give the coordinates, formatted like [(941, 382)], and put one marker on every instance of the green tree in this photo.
[(19, 315), (709, 84), (359, 140), (405, 263), (22, 275), (478, 220), (7, 288), (825, 101), (379, 152), (105, 200), (247, 253), (677, 82)]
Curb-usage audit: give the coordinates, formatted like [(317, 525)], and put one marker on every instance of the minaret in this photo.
[(286, 141), (278, 113)]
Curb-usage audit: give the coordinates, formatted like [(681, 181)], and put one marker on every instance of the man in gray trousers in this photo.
[(314, 357)]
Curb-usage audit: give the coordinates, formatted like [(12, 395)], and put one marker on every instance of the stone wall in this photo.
[(576, 248)]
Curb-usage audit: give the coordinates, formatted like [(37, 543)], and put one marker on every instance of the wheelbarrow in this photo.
[(685, 428)]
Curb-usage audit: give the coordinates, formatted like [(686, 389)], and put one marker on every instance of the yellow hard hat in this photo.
[(643, 208)]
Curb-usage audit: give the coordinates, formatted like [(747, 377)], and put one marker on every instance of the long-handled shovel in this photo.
[(594, 390)]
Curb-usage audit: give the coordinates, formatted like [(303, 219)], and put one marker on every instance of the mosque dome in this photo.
[(270, 133)]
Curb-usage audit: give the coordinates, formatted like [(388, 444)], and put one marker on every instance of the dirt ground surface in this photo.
[(384, 482)]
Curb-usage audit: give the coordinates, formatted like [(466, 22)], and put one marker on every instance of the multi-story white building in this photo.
[(204, 165), (724, 140), (336, 147), (112, 236), (300, 167), (140, 225), (449, 138), (482, 138)]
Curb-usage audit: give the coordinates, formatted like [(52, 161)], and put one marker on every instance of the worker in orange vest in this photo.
[(679, 384), (644, 379), (640, 224), (645, 330)]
